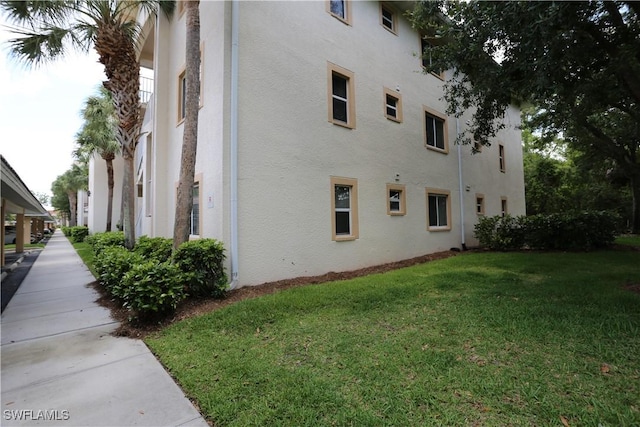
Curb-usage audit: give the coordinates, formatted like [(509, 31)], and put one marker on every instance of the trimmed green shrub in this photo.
[(78, 233), (65, 230), (153, 288), (500, 233), (584, 230), (112, 264), (156, 248), (202, 262), (108, 239)]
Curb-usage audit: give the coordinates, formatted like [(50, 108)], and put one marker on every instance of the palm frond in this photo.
[(39, 47), (34, 13)]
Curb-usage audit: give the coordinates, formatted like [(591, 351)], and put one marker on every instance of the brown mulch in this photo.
[(190, 308)]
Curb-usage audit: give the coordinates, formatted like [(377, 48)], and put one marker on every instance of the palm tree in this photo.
[(49, 28), (98, 136), (184, 204)]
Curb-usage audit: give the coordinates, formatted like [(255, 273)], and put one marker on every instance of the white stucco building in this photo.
[(322, 144)]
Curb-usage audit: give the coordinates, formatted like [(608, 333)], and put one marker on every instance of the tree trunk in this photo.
[(184, 203), (73, 208), (635, 200), (117, 53), (110, 185)]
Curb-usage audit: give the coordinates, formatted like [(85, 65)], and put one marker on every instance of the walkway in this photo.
[(61, 366)]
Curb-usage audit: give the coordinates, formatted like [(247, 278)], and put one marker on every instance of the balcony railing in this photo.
[(146, 89)]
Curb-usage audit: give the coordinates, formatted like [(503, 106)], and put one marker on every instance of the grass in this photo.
[(86, 254), (26, 246), (487, 339), (629, 239)]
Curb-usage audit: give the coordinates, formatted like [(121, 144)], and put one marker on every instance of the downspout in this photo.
[(460, 184), (235, 8)]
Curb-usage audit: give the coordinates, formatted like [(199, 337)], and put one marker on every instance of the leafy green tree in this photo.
[(184, 204), (98, 136), (50, 28), (578, 61), (65, 190), (43, 198)]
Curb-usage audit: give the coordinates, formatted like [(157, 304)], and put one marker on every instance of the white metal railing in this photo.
[(146, 89)]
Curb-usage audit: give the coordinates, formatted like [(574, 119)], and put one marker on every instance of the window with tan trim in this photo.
[(438, 209), (479, 204), (396, 199), (425, 51), (340, 9), (341, 96), (344, 209), (195, 219), (182, 88), (392, 105), (501, 158), (503, 206), (388, 18), (436, 135)]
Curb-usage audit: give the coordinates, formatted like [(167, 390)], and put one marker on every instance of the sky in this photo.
[(40, 112)]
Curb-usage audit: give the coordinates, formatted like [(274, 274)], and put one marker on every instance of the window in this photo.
[(388, 18), (194, 226), (149, 171), (392, 105), (396, 200), (435, 131), (480, 204), (341, 96), (344, 208), (425, 55), (438, 210), (182, 97), (503, 206), (340, 9), (182, 88), (501, 158)]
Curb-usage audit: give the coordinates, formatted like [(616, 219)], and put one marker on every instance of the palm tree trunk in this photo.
[(110, 185), (184, 204), (124, 83), (73, 208)]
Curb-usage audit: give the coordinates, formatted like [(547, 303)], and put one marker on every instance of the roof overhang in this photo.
[(16, 197)]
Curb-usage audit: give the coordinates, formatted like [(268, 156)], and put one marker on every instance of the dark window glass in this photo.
[(435, 132), (392, 106), (387, 18), (337, 8)]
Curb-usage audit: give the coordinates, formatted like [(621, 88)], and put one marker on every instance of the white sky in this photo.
[(40, 112)]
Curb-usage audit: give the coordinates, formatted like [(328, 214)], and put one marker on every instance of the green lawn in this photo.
[(489, 339), (629, 239)]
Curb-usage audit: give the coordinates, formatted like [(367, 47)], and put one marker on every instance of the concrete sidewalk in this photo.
[(61, 366)]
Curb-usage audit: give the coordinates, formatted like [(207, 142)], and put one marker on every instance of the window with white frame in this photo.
[(392, 105), (436, 134), (503, 206), (344, 207), (194, 226), (425, 50), (438, 210), (340, 9), (480, 204), (388, 18), (501, 158), (341, 96), (396, 199)]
